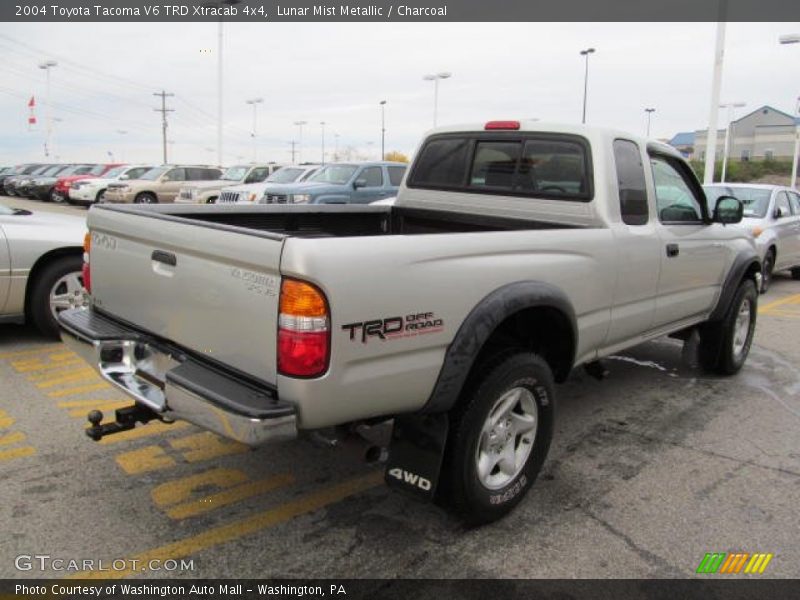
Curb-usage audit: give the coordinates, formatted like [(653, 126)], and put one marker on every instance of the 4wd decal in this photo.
[(392, 328)]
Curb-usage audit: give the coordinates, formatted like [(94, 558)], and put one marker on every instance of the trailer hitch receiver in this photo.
[(124, 419)]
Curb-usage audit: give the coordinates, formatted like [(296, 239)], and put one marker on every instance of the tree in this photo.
[(396, 156)]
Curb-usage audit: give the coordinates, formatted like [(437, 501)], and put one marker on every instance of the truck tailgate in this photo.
[(212, 289)]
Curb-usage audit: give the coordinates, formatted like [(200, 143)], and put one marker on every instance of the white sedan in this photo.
[(41, 262)]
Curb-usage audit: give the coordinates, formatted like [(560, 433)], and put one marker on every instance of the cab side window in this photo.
[(373, 176), (782, 204), (794, 198), (631, 183), (178, 174), (675, 200)]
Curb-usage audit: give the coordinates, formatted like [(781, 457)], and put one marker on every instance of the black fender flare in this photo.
[(743, 262), (481, 323)]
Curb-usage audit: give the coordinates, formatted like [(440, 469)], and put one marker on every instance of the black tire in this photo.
[(766, 270), (98, 196), (461, 487), (212, 200), (796, 274), (718, 341), (145, 198), (39, 310), (53, 197)]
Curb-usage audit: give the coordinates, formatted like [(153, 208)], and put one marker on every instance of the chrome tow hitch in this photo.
[(124, 419)]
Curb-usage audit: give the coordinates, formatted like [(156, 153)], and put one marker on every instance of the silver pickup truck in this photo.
[(514, 253)]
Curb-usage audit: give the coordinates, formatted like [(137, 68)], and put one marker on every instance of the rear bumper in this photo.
[(175, 385)]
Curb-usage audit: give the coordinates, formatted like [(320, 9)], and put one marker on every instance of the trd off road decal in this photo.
[(393, 328)]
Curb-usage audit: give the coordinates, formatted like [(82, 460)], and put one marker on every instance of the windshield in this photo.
[(97, 170), (235, 173), (40, 170), (755, 200), (68, 171), (285, 175), (334, 174), (154, 174), (115, 172), (82, 169), (52, 171)]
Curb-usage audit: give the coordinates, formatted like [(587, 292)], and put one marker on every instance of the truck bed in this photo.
[(334, 220)]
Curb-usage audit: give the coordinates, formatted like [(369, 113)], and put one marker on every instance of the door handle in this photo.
[(168, 258), (673, 250)]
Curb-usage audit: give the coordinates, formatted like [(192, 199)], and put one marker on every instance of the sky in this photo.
[(102, 89)]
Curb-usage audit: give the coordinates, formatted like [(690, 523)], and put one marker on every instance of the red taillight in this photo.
[(510, 125), (303, 332), (85, 272)]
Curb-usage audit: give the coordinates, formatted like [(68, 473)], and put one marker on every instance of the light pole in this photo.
[(585, 54), (322, 124), (383, 129), (220, 45), (300, 140), (731, 106), (716, 82), (649, 112), (47, 65), (254, 102), (435, 79), (794, 38)]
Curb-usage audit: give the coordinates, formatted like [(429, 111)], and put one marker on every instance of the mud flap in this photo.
[(416, 452)]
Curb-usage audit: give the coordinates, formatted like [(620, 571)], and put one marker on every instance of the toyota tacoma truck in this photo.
[(516, 251)]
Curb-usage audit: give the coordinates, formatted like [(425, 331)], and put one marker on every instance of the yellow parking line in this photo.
[(144, 431), (205, 446), (232, 531), (230, 496), (80, 375), (48, 367), (142, 460), (42, 350), (5, 420), (80, 390), (16, 453), (12, 438), (793, 299)]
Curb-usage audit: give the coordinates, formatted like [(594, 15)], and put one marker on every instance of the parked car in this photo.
[(63, 185), (515, 252), (26, 169), (207, 192), (340, 183), (772, 215), (12, 183), (89, 191), (253, 192), (41, 186), (40, 266), (158, 185)]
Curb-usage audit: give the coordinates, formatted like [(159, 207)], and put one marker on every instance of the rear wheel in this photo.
[(500, 433), (766, 270), (724, 345), (55, 197), (58, 286), (796, 273), (146, 198)]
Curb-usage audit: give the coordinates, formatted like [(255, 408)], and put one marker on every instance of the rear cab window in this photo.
[(528, 164), (631, 183)]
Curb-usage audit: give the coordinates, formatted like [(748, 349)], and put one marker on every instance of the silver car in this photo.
[(772, 215), (41, 261)]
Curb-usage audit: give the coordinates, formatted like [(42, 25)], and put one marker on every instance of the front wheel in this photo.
[(145, 198), (724, 345), (58, 286), (766, 271), (500, 433)]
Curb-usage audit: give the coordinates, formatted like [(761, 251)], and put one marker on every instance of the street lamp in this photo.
[(254, 102), (435, 79), (322, 124), (47, 65), (731, 106), (219, 75), (585, 54), (649, 112), (794, 38), (300, 140), (383, 129)]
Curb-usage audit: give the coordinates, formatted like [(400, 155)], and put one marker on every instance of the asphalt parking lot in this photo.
[(650, 469)]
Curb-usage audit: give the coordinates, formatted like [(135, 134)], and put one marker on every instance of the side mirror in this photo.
[(359, 183), (777, 213), (729, 210)]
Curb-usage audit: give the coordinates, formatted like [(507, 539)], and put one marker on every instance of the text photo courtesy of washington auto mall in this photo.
[(422, 300)]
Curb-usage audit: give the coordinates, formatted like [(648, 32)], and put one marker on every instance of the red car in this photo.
[(61, 190)]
